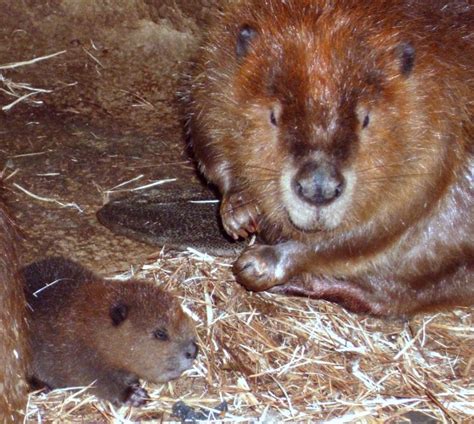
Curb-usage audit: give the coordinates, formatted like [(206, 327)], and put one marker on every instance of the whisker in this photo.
[(386, 165), (397, 177), (269, 192), (374, 187), (263, 180), (262, 168)]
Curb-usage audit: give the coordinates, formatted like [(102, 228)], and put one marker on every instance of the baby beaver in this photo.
[(86, 330)]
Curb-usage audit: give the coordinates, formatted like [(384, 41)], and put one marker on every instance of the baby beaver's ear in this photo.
[(118, 312), (244, 39), (406, 53)]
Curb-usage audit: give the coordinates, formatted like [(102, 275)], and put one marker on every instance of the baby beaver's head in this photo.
[(147, 332), (322, 113)]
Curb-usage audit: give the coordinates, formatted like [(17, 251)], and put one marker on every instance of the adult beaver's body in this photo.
[(13, 331), (342, 132), (88, 330)]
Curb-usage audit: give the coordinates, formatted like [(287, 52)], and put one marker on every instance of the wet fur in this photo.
[(13, 330), (399, 241)]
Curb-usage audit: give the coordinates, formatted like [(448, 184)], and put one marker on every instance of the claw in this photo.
[(239, 216)]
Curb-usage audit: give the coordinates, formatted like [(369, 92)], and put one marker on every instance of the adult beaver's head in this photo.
[(325, 114)]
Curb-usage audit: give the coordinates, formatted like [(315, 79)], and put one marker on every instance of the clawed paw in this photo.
[(136, 395), (259, 268), (239, 215)]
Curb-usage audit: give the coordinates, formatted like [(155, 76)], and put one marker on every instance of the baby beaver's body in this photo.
[(342, 133), (88, 330)]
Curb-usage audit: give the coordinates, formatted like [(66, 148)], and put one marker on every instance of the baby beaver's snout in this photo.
[(191, 351), (188, 352), (318, 183)]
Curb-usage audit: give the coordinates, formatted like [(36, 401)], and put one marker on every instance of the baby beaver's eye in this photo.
[(365, 122), (161, 334), (273, 118)]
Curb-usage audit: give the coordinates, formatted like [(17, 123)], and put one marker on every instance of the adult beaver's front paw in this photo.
[(260, 267), (239, 215)]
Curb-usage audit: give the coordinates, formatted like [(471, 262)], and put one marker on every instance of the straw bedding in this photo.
[(280, 359)]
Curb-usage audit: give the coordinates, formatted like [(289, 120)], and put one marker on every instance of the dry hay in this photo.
[(282, 359)]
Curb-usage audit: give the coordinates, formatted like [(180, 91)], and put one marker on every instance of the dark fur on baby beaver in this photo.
[(111, 333), (342, 133)]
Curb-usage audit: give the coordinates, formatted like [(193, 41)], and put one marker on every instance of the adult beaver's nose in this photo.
[(318, 183)]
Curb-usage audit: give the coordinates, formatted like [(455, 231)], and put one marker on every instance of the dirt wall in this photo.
[(122, 58)]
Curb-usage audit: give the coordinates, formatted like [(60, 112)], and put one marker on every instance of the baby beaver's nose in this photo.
[(191, 351), (318, 183)]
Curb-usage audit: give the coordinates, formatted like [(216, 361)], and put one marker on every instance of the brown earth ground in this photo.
[(110, 117)]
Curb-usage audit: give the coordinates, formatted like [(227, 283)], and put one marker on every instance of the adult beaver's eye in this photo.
[(161, 334), (366, 121), (362, 112), (273, 119)]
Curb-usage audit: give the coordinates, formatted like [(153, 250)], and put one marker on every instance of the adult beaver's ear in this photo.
[(406, 54), (244, 40), (118, 313)]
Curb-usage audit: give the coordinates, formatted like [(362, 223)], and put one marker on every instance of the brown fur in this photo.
[(13, 336), (380, 92), (87, 329)]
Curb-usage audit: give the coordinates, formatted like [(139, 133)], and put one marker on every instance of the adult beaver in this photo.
[(342, 133), (14, 347)]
